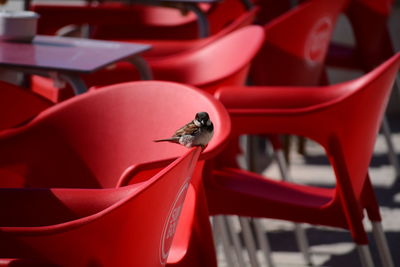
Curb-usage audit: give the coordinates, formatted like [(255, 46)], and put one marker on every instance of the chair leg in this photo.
[(365, 256), (391, 151), (381, 242), (263, 242), (250, 152), (299, 230), (397, 84), (221, 230), (302, 242), (249, 241), (235, 240)]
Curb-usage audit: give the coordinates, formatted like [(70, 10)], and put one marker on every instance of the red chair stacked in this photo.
[(163, 49), (369, 23), (293, 54), (325, 115), (135, 21), (223, 61), (373, 45)]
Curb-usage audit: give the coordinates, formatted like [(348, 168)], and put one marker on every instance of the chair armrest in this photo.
[(275, 110), (274, 98), (141, 171)]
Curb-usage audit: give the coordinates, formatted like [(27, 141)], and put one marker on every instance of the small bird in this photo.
[(198, 132)]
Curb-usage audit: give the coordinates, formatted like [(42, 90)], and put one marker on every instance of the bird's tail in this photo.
[(173, 140)]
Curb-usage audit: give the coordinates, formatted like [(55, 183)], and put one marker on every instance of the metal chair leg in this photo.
[(301, 237), (381, 242), (245, 222), (220, 229), (237, 245), (263, 242), (397, 84), (249, 241), (391, 150), (365, 256)]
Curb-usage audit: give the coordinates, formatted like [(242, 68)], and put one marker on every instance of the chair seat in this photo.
[(244, 193), (277, 190)]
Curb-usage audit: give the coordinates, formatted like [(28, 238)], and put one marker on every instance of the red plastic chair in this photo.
[(121, 21), (74, 131), (103, 138), (224, 61), (114, 15), (270, 9), (293, 54), (125, 226), (373, 45), (167, 47), (18, 105), (296, 45), (327, 115)]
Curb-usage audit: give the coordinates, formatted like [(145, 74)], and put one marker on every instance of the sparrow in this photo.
[(198, 132)]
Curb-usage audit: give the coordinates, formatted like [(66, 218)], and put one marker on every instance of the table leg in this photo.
[(142, 66), (204, 28), (248, 4), (76, 82), (58, 78), (27, 4)]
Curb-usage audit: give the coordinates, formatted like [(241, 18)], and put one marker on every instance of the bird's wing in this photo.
[(189, 128)]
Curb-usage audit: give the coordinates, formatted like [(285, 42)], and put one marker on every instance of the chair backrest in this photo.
[(126, 226), (118, 21), (270, 9), (344, 118), (223, 62), (18, 105), (127, 72), (170, 47), (54, 17), (296, 44), (167, 23), (90, 141), (370, 26), (358, 119)]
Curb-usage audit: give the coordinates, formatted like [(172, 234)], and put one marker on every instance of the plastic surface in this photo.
[(103, 139), (334, 116), (296, 45), (222, 62), (18, 105), (117, 20), (132, 225), (91, 140), (170, 46), (373, 44)]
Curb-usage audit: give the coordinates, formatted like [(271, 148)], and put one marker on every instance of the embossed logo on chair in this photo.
[(172, 222), (318, 40)]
